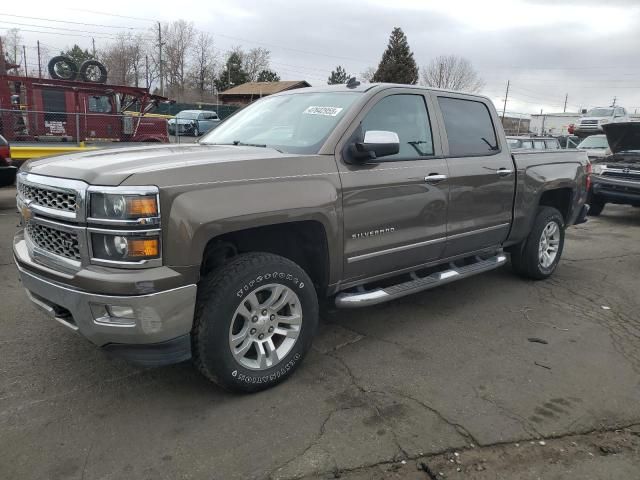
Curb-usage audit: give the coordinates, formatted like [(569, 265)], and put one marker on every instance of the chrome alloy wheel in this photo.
[(265, 326), (549, 244)]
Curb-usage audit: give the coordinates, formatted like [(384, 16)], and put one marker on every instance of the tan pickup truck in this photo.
[(219, 251)]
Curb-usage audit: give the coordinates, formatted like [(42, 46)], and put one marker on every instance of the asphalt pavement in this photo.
[(481, 367)]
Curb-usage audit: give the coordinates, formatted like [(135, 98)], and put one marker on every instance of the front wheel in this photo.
[(255, 320), (196, 131), (538, 256)]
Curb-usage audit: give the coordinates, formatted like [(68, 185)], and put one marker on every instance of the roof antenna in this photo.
[(352, 82)]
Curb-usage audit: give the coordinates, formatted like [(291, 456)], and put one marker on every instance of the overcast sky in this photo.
[(588, 49)]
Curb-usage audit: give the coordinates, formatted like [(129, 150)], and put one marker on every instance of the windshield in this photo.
[(600, 112), (294, 123), (594, 141), (187, 115)]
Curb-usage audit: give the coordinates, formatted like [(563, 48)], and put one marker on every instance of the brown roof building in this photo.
[(250, 91)]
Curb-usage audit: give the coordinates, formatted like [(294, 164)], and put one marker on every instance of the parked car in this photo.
[(596, 146), (616, 177), (218, 251), (7, 168), (193, 122), (591, 123), (533, 143), (569, 141)]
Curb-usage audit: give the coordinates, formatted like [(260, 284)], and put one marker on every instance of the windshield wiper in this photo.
[(245, 144)]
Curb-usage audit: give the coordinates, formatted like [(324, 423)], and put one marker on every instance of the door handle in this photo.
[(503, 172), (435, 178)]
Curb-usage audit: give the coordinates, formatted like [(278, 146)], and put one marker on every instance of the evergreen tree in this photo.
[(268, 76), (78, 55), (233, 72), (397, 64), (338, 76)]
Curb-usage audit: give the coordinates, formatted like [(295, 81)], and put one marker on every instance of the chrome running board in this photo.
[(364, 298)]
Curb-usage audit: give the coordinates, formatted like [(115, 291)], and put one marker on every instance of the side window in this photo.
[(527, 144), (552, 144), (469, 127), (538, 145), (407, 116), (99, 104)]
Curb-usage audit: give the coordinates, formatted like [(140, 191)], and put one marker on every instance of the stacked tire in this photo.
[(62, 67)]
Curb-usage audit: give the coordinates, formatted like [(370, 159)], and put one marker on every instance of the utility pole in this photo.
[(506, 96), (146, 75), (93, 42), (160, 61), (39, 62), (566, 97), (24, 59)]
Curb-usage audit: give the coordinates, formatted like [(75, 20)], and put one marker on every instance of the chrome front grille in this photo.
[(44, 197), (58, 242), (622, 174)]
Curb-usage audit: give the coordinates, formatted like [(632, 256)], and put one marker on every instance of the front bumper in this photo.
[(155, 330), (587, 129), (616, 191)]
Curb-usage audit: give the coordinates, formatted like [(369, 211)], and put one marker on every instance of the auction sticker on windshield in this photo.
[(327, 111)]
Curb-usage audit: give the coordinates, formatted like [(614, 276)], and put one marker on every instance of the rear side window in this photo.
[(538, 145), (527, 144), (469, 127), (407, 116), (552, 144)]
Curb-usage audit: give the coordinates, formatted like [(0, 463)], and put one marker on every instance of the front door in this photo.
[(393, 217), (482, 176), (100, 123)]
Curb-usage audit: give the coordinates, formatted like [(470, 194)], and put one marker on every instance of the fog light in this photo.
[(115, 315), (120, 311)]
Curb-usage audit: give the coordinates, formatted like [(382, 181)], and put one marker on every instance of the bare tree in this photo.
[(117, 57), (12, 42), (179, 38), (254, 61), (452, 73), (204, 63), (368, 74)]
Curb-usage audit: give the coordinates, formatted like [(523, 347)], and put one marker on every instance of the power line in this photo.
[(114, 15), (56, 33), (69, 21), (113, 35)]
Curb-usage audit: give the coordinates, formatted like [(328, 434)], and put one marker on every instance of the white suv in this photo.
[(592, 122)]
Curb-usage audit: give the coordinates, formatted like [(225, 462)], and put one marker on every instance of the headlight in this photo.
[(125, 246), (603, 120), (125, 206), (598, 168)]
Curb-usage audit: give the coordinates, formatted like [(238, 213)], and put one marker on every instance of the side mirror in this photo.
[(583, 111), (377, 143)]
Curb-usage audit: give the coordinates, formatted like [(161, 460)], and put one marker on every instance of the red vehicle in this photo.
[(37, 109)]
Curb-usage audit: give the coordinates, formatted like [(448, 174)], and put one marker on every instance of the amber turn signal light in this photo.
[(142, 207), (143, 247)]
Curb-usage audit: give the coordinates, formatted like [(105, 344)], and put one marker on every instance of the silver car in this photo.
[(193, 122)]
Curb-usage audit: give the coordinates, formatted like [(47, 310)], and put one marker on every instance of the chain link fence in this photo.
[(21, 125)]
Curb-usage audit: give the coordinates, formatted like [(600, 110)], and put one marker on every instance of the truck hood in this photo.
[(623, 136), (111, 166)]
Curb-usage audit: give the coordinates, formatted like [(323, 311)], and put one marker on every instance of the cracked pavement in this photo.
[(447, 370)]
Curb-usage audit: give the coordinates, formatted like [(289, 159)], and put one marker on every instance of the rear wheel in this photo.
[(596, 205), (255, 319), (538, 256)]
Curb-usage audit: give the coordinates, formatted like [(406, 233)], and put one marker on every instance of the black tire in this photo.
[(86, 77), (525, 258), (221, 293), (196, 131), (70, 68), (596, 205)]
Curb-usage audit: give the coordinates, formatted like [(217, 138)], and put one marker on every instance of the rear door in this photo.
[(393, 217), (481, 174)]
